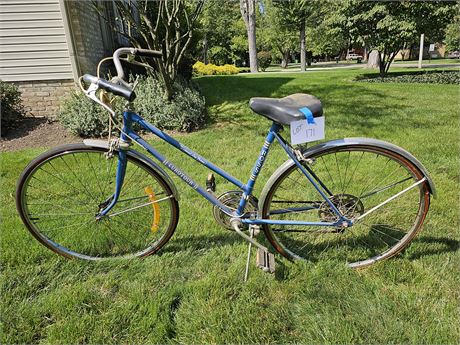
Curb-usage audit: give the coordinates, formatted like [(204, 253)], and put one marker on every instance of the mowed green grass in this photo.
[(193, 290)]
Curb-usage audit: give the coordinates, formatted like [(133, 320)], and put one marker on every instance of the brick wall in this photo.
[(43, 98), (91, 35)]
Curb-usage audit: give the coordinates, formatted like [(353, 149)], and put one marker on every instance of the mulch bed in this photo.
[(34, 132)]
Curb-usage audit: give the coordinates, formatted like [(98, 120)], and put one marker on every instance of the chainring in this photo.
[(231, 199)]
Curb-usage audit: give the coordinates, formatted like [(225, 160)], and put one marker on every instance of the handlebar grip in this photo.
[(147, 53), (116, 89)]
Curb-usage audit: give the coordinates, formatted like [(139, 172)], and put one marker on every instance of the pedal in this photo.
[(211, 183), (265, 261)]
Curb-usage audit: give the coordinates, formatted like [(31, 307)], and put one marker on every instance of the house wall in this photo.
[(33, 42), (91, 34), (45, 45), (43, 98)]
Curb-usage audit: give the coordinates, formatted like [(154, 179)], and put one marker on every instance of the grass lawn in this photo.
[(193, 291)]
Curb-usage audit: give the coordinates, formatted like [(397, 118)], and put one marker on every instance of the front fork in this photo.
[(122, 148)]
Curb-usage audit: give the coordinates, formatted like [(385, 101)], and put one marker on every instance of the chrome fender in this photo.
[(347, 142), (105, 145)]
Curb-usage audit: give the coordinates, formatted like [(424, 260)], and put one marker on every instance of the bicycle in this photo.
[(357, 200)]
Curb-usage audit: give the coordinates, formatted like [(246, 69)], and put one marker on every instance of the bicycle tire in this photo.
[(334, 240), (61, 200)]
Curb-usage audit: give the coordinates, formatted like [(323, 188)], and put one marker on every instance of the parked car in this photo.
[(353, 56), (454, 55)]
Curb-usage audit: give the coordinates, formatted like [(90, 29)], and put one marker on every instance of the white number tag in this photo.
[(304, 132)]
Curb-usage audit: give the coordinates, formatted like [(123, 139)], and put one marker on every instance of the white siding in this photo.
[(33, 44)]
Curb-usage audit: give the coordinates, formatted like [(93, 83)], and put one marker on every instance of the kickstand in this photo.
[(246, 272)]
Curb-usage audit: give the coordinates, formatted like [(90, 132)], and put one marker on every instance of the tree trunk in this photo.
[(205, 50), (248, 12), (285, 58), (373, 60), (303, 57)]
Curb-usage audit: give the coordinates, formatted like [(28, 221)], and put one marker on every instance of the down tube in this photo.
[(182, 175)]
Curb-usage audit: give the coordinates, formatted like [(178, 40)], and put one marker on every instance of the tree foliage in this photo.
[(277, 32), (388, 26), (219, 25), (325, 33), (452, 38), (165, 25)]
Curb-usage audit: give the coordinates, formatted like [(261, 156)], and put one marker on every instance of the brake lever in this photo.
[(91, 93)]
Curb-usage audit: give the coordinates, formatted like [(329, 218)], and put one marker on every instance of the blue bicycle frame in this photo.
[(129, 134)]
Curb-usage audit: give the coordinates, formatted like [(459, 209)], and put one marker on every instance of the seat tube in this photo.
[(275, 128)]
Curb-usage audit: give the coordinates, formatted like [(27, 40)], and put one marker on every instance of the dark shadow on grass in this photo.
[(447, 245), (198, 243), (221, 89), (365, 108), (348, 104)]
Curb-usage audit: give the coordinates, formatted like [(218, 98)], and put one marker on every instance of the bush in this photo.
[(264, 59), (210, 69), (82, 116), (428, 77), (185, 112), (11, 106)]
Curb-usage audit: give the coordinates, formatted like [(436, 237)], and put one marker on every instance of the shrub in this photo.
[(82, 116), (185, 112), (428, 77), (264, 59), (210, 69), (11, 106)]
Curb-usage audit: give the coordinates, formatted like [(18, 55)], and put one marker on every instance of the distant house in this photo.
[(45, 45), (412, 53)]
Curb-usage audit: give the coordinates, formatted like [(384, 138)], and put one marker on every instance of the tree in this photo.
[(294, 14), (277, 34), (218, 27), (452, 38), (248, 12), (388, 26), (325, 35), (163, 25)]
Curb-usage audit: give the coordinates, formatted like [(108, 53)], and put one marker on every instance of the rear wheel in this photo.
[(60, 193), (358, 179)]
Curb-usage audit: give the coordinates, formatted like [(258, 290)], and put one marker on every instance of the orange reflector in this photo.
[(156, 208)]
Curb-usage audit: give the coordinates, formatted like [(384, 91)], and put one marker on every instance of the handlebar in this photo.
[(116, 89), (132, 51), (121, 88)]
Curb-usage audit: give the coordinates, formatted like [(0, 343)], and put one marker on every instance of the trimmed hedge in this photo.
[(186, 111), (11, 106), (210, 69), (429, 77)]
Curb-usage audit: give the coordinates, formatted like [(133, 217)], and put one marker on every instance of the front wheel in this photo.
[(61, 192), (357, 179)]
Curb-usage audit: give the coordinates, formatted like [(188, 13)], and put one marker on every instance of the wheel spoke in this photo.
[(364, 177), (62, 194)]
